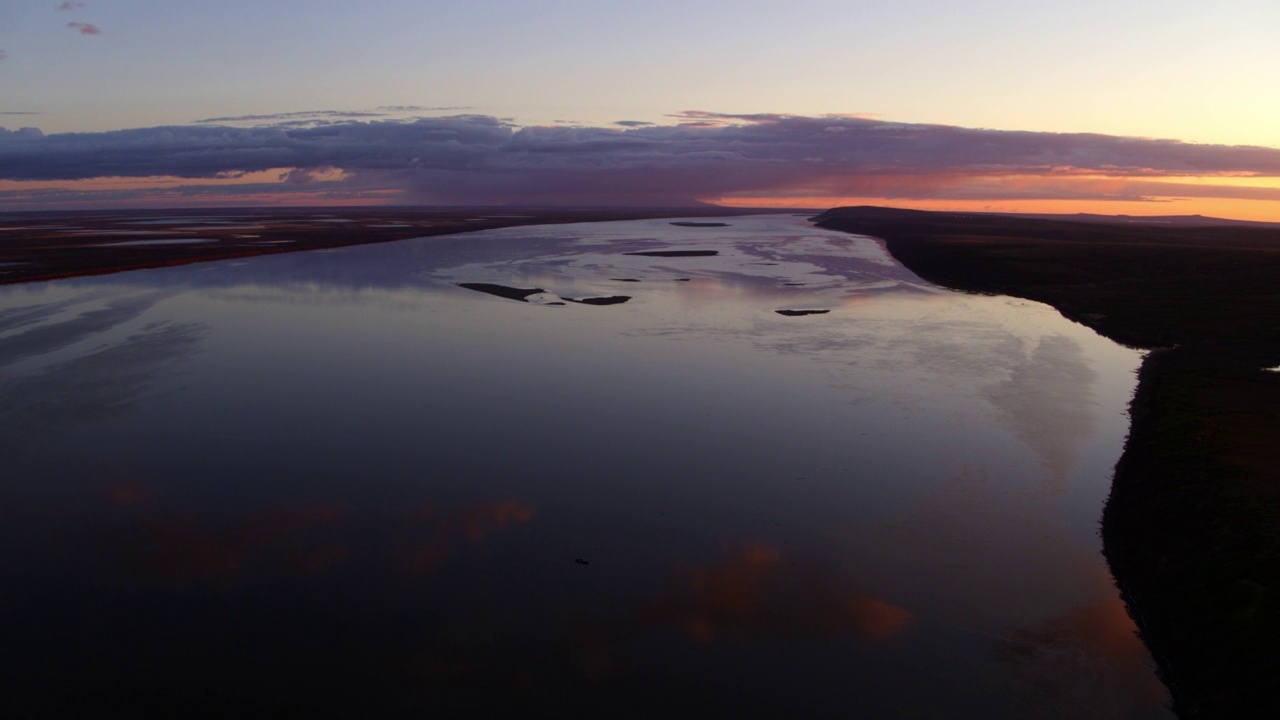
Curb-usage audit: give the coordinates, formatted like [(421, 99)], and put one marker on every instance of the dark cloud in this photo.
[(28, 133), (207, 151), (304, 176), (348, 191), (84, 28), (3, 55), (467, 159), (71, 5), (632, 123)]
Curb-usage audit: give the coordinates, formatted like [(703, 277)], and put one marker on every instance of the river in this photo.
[(342, 481)]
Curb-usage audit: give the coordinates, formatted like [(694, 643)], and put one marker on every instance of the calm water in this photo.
[(341, 481)]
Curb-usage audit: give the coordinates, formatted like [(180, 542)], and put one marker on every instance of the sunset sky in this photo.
[(1154, 107)]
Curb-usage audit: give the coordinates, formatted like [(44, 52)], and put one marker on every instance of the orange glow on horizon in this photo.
[(1228, 196), (1225, 208), (1064, 191)]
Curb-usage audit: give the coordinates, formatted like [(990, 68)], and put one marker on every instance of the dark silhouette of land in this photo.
[(801, 313), (606, 300), (1192, 527), (503, 291), (675, 253), (523, 294)]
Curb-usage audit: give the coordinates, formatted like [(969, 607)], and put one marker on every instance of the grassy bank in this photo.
[(1192, 527)]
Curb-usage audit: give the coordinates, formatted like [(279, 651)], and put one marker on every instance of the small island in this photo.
[(609, 300), (801, 313), (675, 253), (503, 291)]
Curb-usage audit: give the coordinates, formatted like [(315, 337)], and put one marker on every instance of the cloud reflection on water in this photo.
[(50, 326), (1047, 401), (151, 540), (1089, 651), (754, 591), (1061, 647), (103, 383), (447, 529)]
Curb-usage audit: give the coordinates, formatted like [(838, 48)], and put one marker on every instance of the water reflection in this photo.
[(339, 481), (152, 542), (43, 328), (1088, 652), (1047, 401), (470, 524), (755, 591), (102, 383)]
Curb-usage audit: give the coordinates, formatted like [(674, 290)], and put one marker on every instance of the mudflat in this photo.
[(1192, 526), (49, 245)]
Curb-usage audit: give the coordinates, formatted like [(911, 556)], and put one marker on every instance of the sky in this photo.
[(1138, 107)]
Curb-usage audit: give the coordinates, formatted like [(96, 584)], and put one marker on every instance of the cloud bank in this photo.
[(478, 159)]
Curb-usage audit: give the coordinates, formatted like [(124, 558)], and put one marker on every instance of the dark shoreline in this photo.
[(1192, 527)]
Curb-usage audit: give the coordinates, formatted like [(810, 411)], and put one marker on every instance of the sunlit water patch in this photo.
[(365, 480)]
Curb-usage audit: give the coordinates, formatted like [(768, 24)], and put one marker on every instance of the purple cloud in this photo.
[(84, 28), (294, 117), (420, 108), (317, 117), (476, 159), (71, 6), (3, 55)]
